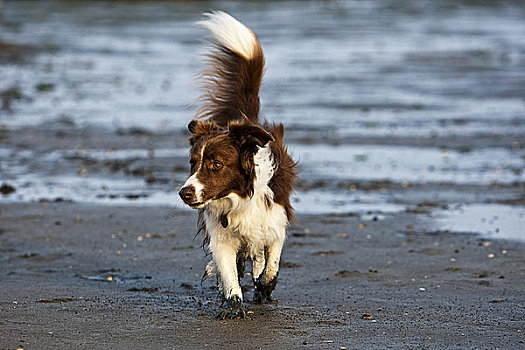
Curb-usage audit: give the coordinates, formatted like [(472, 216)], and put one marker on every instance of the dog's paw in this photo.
[(232, 309), (263, 291)]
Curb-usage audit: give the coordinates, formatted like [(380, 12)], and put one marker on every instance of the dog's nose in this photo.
[(187, 193)]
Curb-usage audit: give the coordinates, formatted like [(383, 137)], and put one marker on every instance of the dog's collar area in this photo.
[(224, 220)]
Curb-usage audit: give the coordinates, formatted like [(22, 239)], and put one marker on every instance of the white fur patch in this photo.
[(231, 33), (264, 169)]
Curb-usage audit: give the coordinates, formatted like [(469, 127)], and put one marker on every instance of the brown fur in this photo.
[(231, 105), (285, 175), (234, 148), (231, 86)]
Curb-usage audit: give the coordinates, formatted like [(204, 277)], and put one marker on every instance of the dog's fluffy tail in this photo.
[(231, 82)]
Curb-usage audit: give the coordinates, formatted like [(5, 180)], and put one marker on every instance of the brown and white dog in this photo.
[(241, 174)]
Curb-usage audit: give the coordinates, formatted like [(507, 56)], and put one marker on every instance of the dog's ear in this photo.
[(200, 128), (192, 125), (249, 136)]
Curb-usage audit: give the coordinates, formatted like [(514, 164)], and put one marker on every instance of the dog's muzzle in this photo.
[(187, 194)]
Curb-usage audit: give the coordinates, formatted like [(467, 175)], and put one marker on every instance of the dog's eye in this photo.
[(216, 165), (193, 162)]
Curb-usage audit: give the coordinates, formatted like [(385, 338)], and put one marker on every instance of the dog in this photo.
[(241, 175)]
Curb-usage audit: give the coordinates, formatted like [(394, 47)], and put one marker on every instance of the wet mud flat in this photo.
[(94, 276)]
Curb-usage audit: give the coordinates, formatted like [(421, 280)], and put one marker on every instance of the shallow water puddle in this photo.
[(121, 154), (92, 189), (402, 163), (489, 220), (330, 202)]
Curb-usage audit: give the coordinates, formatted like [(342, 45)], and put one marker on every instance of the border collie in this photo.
[(241, 174)]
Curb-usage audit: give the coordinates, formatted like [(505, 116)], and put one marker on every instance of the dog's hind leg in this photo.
[(258, 263), (209, 270)]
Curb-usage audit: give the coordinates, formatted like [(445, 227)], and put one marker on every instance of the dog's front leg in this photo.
[(265, 284), (225, 255)]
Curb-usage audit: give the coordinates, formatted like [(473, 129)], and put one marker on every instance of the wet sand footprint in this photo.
[(348, 274), (302, 244), (328, 252), (143, 290), (56, 300), (309, 235), (288, 265), (37, 257)]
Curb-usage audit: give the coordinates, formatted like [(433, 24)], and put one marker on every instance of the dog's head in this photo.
[(221, 161)]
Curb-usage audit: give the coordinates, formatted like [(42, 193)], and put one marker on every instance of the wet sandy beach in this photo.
[(81, 276), (407, 119)]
